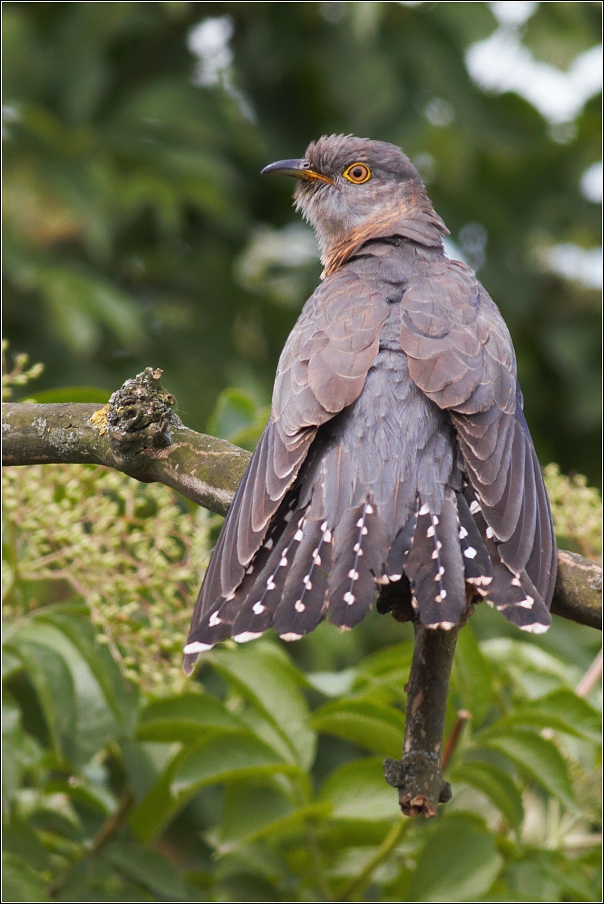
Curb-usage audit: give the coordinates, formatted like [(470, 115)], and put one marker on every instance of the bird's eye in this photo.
[(357, 173)]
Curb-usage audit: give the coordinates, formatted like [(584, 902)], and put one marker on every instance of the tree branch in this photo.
[(418, 775), (137, 433)]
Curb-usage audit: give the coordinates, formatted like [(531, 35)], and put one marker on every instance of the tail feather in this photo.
[(516, 597), (397, 555), (358, 553), (478, 568), (435, 567), (302, 606), (257, 604), (510, 592)]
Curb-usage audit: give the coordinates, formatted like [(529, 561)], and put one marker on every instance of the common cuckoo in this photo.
[(397, 451)]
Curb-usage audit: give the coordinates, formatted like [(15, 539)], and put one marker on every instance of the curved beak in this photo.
[(299, 169)]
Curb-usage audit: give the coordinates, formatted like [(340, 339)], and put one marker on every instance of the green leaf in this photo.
[(73, 620), (382, 676), (495, 784), (238, 418), (261, 811), (92, 720), (81, 301), (18, 838), (538, 875), (472, 678), (531, 671), (271, 684), (20, 882), (53, 683), (72, 394), (332, 684), (459, 862), (371, 725), (561, 710), (358, 791), (20, 750), (223, 759), (538, 758), (219, 759), (188, 717), (150, 869)]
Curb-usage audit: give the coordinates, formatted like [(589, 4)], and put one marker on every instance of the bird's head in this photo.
[(353, 189)]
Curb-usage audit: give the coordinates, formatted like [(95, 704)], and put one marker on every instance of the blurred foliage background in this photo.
[(138, 232)]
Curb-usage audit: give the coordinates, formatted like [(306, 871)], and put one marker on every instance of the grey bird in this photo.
[(397, 452)]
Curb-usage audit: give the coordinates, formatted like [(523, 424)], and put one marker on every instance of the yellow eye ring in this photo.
[(357, 173)]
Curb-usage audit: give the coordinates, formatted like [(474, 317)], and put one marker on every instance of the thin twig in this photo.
[(315, 853), (452, 741), (590, 678), (359, 882), (104, 835)]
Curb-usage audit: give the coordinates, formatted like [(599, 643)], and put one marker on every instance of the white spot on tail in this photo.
[(307, 582), (516, 582), (269, 543), (536, 628), (369, 508), (424, 510), (462, 532), (229, 596), (197, 647), (246, 636), (349, 598), (299, 606), (527, 603), (298, 535), (430, 532), (353, 574), (474, 507), (470, 552), (490, 533), (283, 562), (214, 620), (270, 584), (250, 570), (258, 608)]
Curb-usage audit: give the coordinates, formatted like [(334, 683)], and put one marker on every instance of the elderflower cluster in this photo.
[(135, 553), (577, 512)]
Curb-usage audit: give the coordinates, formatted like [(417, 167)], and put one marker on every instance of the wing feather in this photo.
[(461, 356), (321, 371)]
